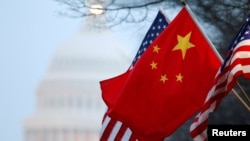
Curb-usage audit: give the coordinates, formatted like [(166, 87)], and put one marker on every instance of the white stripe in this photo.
[(242, 43), (105, 124), (201, 137), (210, 94), (219, 90), (222, 79), (126, 135), (198, 138), (241, 55), (213, 92), (233, 72), (115, 130), (246, 69), (202, 116), (229, 76), (239, 67), (195, 124)]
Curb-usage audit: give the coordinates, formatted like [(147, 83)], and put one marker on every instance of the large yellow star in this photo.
[(184, 44)]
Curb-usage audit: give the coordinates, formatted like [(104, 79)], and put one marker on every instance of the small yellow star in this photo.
[(163, 78), (179, 77), (183, 44), (156, 49), (153, 65)]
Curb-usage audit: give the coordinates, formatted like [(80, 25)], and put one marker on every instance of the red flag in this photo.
[(167, 85), (113, 85), (237, 63)]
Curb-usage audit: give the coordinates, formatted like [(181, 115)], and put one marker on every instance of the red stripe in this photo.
[(203, 125), (108, 130), (240, 61), (241, 48), (104, 117), (199, 129), (217, 96), (227, 85), (121, 133)]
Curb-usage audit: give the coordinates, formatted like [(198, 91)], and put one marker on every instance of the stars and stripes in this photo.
[(115, 130), (144, 103), (158, 25), (237, 63)]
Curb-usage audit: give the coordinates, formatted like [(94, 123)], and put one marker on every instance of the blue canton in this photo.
[(158, 25), (244, 34)]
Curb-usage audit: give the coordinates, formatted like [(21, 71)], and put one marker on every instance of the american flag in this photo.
[(159, 24), (113, 130), (236, 63)]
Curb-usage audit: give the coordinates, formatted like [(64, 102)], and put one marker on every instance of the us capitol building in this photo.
[(69, 106)]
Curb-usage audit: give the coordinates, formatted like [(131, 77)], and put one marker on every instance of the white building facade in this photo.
[(69, 106)]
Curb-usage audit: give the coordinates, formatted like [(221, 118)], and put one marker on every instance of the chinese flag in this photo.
[(167, 85)]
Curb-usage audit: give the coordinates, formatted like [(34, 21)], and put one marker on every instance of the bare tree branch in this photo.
[(224, 15), (223, 18), (79, 8)]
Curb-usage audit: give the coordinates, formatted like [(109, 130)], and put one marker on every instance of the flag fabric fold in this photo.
[(111, 87), (236, 63), (164, 88)]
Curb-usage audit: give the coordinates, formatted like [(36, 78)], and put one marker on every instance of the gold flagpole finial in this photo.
[(184, 2)]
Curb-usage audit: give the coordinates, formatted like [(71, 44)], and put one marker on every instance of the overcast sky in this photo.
[(30, 33)]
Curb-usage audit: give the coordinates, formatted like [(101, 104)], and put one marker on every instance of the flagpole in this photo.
[(200, 28), (166, 17), (211, 44), (241, 100), (243, 91)]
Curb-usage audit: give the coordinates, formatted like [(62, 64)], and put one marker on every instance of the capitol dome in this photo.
[(68, 99), (98, 52)]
